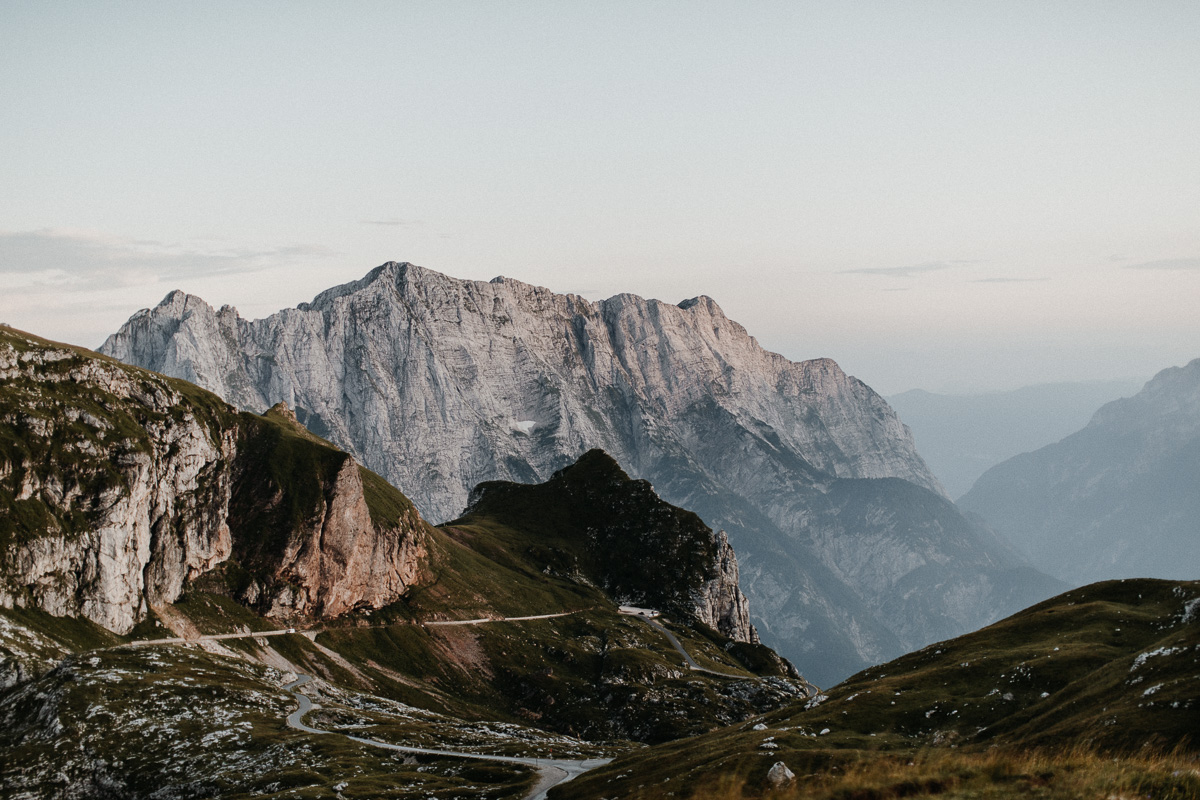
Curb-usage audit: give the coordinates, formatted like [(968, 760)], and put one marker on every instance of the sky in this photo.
[(959, 197)]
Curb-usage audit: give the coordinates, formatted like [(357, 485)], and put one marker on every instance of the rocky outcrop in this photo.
[(720, 603), (439, 383), (1117, 499), (615, 532), (410, 370), (117, 486), (337, 562)]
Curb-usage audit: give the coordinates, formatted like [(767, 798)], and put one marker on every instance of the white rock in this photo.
[(779, 775)]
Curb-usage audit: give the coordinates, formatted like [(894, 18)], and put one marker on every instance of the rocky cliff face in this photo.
[(118, 487), (1117, 499), (720, 603), (618, 534), (440, 383)]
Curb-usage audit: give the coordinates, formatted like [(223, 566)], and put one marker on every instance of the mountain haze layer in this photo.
[(962, 436), (1118, 499), (440, 383)]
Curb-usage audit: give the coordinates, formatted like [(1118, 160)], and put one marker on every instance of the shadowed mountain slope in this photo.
[(1120, 498)]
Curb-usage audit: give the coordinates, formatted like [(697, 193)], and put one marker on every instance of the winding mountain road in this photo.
[(691, 662), (311, 632), (551, 772), (209, 637)]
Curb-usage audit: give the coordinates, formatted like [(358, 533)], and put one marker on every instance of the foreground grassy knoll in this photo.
[(1098, 687)]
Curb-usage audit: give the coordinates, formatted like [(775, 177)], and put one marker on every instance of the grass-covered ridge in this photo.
[(590, 520), (1108, 670)]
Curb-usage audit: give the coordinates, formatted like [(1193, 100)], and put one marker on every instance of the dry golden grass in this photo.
[(993, 774)]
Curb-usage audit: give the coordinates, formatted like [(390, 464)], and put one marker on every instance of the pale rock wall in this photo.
[(720, 603), (165, 520), (439, 383), (164, 526)]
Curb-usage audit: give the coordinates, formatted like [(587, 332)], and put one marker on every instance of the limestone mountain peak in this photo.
[(441, 384)]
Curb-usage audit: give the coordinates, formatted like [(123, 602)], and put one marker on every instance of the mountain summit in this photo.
[(440, 384)]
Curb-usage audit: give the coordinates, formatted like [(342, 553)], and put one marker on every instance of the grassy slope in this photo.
[(193, 725), (594, 673), (1112, 667)]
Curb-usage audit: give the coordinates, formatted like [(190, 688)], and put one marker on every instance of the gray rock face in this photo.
[(116, 490), (439, 383), (157, 524), (1118, 499), (720, 603)]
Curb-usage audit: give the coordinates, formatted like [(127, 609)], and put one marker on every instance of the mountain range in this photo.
[(850, 550), (169, 566), (962, 436), (257, 615), (1118, 499)]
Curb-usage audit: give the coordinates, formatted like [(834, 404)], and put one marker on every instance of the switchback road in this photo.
[(552, 772)]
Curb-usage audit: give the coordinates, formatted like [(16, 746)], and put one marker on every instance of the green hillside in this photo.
[(1107, 671)]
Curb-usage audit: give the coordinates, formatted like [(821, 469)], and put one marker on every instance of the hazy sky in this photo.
[(946, 195)]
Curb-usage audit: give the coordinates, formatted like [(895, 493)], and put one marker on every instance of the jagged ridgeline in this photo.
[(850, 551), (141, 503)]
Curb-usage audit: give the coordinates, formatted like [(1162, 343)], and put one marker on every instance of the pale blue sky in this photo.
[(943, 195)]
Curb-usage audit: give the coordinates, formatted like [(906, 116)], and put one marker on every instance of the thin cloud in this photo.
[(1001, 279), (1169, 264), (391, 221), (907, 271), (86, 261)]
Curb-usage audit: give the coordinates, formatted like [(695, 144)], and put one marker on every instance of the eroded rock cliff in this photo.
[(118, 487)]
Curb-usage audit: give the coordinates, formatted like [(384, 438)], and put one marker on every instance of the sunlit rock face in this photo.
[(439, 384), (119, 487)]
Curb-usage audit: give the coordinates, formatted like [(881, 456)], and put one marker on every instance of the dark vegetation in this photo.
[(591, 520)]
